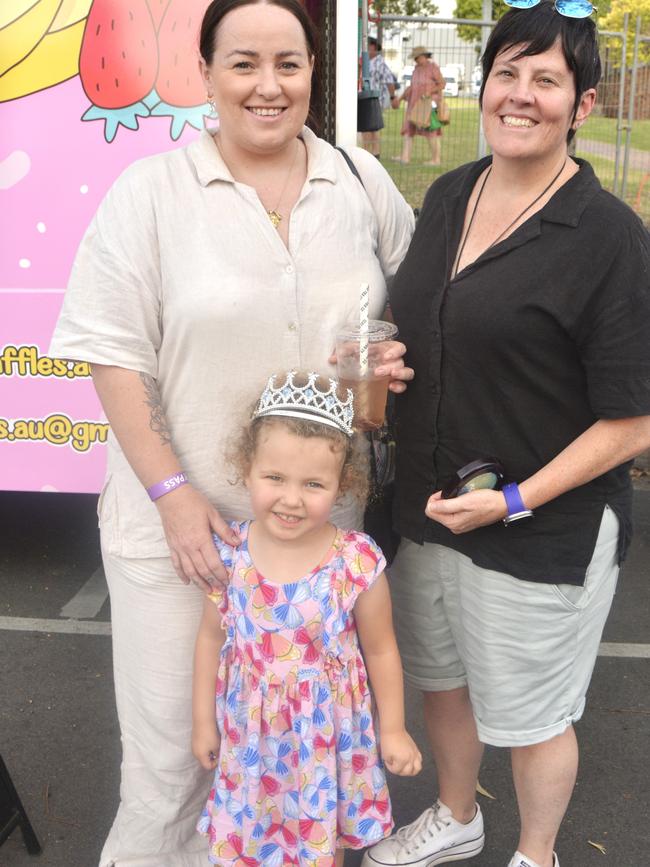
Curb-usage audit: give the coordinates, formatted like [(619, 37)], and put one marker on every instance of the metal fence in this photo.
[(615, 139)]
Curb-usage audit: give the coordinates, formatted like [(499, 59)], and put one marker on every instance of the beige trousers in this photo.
[(163, 788)]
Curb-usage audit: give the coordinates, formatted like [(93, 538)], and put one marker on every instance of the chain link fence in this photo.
[(615, 139)]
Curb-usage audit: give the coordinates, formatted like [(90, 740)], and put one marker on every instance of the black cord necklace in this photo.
[(509, 226)]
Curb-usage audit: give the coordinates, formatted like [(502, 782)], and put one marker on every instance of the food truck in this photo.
[(86, 88)]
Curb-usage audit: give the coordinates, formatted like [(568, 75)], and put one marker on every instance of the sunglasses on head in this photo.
[(568, 8)]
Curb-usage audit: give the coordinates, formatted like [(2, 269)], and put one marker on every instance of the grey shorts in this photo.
[(525, 650)]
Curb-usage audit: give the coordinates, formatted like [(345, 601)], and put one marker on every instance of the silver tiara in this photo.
[(307, 401)]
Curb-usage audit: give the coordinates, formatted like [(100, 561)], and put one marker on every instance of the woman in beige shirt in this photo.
[(204, 270)]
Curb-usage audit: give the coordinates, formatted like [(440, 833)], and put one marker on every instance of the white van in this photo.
[(452, 73), (477, 78), (452, 85)]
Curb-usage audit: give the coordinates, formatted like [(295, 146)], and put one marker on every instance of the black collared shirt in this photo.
[(545, 333)]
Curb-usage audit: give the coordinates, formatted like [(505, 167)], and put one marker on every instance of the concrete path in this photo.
[(638, 159)]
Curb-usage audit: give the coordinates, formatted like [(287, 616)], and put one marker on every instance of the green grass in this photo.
[(604, 129), (459, 145)]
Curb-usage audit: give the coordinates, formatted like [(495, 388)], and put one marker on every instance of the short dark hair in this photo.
[(538, 29), (217, 11), (375, 42)]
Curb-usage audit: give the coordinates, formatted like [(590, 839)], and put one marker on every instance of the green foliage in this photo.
[(404, 7), (474, 9), (614, 21)]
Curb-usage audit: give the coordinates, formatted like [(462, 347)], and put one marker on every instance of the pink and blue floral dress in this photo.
[(299, 773)]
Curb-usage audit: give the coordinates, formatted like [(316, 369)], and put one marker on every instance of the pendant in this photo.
[(275, 218)]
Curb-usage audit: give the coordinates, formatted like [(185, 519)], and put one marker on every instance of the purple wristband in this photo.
[(161, 488), (515, 505)]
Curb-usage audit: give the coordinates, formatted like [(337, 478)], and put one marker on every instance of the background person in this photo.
[(283, 644), (382, 80), (535, 350), (204, 268), (427, 81)]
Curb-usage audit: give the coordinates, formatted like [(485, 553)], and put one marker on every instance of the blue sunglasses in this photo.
[(568, 8)]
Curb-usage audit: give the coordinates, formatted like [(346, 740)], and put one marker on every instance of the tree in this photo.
[(404, 7), (474, 9), (614, 22)]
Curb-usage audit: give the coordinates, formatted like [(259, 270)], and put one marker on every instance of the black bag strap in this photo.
[(346, 156)]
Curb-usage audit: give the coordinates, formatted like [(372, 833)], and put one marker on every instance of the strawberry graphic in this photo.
[(157, 9), (118, 62), (179, 84)]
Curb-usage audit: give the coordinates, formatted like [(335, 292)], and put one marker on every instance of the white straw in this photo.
[(364, 304)]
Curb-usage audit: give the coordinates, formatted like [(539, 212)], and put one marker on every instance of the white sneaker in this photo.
[(434, 838), (519, 860)]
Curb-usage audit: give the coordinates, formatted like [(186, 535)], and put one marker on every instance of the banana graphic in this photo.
[(70, 12), (12, 9), (52, 56), (19, 36)]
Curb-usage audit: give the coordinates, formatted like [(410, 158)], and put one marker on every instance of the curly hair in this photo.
[(354, 460)]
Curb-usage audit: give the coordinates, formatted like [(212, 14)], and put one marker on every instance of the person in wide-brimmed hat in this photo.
[(419, 51), (426, 86)]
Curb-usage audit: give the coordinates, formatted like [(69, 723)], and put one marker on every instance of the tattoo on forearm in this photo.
[(157, 420)]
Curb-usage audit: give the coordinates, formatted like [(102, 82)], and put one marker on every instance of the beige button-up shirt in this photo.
[(181, 275)]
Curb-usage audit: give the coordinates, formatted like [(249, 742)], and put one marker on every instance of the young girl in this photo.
[(298, 774)]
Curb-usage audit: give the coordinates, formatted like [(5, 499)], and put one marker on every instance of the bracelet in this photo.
[(170, 484), (514, 504)]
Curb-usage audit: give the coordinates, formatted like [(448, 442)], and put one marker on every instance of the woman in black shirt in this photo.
[(524, 300)]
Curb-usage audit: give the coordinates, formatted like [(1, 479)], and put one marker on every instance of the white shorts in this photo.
[(525, 650)]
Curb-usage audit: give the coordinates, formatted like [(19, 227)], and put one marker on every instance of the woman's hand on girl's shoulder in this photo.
[(400, 753), (189, 519)]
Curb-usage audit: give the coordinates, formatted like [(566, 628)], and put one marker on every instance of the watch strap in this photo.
[(514, 504)]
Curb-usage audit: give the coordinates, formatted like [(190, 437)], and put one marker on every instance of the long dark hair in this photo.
[(538, 28), (218, 9)]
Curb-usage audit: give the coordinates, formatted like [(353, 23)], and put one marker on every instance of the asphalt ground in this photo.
[(60, 740)]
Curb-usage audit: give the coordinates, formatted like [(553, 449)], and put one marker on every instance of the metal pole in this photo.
[(486, 13), (365, 67), (630, 112), (621, 100), (347, 72)]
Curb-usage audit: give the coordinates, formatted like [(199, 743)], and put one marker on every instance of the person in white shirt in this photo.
[(205, 269)]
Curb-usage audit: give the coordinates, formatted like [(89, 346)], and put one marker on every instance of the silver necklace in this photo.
[(509, 226)]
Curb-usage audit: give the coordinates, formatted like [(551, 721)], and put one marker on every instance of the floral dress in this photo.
[(299, 772)]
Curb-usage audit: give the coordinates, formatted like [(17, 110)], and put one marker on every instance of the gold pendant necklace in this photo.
[(273, 214)]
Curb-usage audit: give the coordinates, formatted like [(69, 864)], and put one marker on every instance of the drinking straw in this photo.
[(364, 304)]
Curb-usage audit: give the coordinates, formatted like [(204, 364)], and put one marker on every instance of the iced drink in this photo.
[(369, 390)]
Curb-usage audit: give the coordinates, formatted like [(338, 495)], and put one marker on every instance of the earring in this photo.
[(210, 102)]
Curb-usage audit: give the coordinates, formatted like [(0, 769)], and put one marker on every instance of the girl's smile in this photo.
[(293, 483)]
